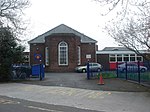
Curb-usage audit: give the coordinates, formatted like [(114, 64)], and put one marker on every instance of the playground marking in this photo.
[(74, 92), (43, 109), (6, 101)]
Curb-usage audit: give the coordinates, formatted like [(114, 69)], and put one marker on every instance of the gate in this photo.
[(38, 71)]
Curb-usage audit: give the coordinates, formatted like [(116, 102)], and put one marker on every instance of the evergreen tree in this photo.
[(11, 28), (10, 52)]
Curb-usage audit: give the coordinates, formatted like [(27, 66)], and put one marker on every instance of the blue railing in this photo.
[(133, 71)]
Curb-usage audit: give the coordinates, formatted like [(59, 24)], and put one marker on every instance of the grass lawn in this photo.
[(108, 74)]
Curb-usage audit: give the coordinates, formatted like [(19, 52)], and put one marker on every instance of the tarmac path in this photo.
[(107, 101)]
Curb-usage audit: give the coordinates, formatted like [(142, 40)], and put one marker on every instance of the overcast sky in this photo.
[(81, 15)]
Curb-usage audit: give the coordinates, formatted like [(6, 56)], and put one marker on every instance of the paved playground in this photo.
[(74, 90), (79, 80)]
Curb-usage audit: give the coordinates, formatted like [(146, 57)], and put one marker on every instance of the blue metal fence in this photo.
[(20, 71), (90, 73), (134, 71)]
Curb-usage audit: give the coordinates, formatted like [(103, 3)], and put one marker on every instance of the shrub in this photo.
[(107, 75)]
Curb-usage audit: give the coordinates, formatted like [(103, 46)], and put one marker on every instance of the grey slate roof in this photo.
[(115, 49), (118, 50), (62, 29)]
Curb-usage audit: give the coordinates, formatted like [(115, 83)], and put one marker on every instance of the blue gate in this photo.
[(38, 71)]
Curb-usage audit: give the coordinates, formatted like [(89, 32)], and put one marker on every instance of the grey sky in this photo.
[(81, 15)]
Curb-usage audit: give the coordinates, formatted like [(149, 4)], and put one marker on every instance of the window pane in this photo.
[(112, 55), (119, 55), (119, 59), (63, 51), (46, 56), (90, 64), (63, 44), (139, 58), (79, 55), (95, 64), (126, 58), (132, 58), (132, 55), (112, 59), (126, 54)]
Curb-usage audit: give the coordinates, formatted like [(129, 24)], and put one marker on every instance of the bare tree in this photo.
[(11, 12), (133, 35), (132, 27), (121, 7)]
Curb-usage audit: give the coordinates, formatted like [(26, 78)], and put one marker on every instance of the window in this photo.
[(132, 57), (26, 57), (139, 58), (79, 55), (95, 64), (112, 58), (119, 57), (63, 53), (46, 56), (126, 57)]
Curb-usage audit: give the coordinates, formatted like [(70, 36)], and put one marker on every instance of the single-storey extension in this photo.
[(110, 56)]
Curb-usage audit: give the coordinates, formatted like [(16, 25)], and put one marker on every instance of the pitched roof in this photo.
[(115, 49), (62, 29), (118, 50)]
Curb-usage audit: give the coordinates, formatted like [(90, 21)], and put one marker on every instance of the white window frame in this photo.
[(46, 56), (79, 55), (59, 55), (115, 56), (126, 56), (119, 56), (140, 57), (132, 56), (112, 56)]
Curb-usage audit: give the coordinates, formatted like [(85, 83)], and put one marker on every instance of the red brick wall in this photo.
[(73, 42), (88, 48), (103, 59), (37, 49), (52, 42)]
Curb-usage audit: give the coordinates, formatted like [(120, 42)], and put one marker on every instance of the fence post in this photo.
[(40, 72), (88, 71), (126, 71), (139, 78), (117, 68)]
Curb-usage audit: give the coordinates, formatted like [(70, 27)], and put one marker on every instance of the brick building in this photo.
[(61, 49), (110, 56)]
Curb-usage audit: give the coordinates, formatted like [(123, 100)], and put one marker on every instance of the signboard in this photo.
[(88, 56)]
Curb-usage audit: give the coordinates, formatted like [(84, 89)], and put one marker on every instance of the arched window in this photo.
[(46, 56), (63, 53), (79, 55)]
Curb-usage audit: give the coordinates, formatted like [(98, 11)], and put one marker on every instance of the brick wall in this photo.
[(88, 49), (37, 49), (52, 43), (103, 59)]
